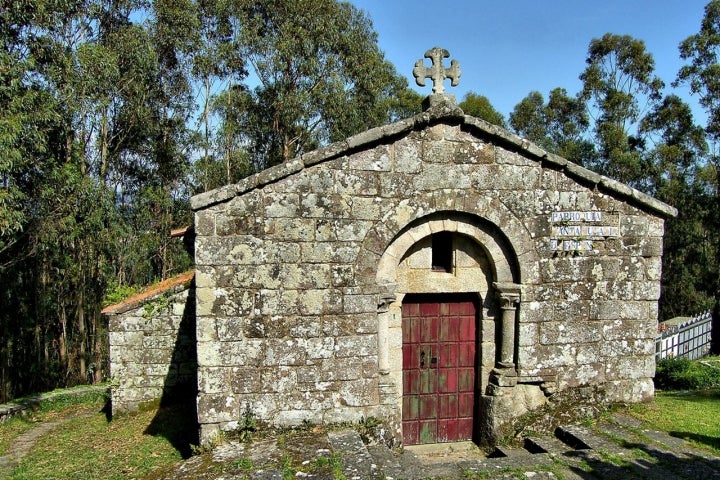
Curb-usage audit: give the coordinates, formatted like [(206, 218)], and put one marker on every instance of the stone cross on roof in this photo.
[(436, 72)]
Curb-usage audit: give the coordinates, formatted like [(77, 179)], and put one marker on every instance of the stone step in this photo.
[(627, 421), (574, 436), (356, 461), (518, 458), (583, 438), (611, 454), (546, 445), (504, 451)]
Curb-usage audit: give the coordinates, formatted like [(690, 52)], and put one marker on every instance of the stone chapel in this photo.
[(439, 273)]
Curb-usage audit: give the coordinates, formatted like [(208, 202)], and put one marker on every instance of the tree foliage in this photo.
[(702, 74), (320, 74), (622, 124), (618, 83), (94, 108), (112, 113), (479, 106), (559, 126)]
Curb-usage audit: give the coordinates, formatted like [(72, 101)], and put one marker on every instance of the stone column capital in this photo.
[(509, 294), (509, 301)]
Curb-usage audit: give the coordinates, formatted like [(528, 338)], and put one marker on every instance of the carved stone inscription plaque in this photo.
[(573, 231)]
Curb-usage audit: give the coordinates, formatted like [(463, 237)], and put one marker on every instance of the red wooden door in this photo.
[(438, 368)]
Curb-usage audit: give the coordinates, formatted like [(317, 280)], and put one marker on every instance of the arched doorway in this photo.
[(440, 325)]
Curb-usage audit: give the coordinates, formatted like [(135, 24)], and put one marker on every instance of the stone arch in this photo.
[(470, 209), (507, 270), (497, 248)]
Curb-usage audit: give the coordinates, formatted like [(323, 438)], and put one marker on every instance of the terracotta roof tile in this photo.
[(184, 279)]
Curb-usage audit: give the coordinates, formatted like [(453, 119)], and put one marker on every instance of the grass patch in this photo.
[(614, 459), (58, 404), (691, 415), (332, 463), (87, 445), (92, 447), (514, 472)]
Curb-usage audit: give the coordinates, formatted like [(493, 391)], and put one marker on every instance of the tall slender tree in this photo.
[(94, 105), (620, 86), (676, 170), (559, 126), (702, 73), (320, 75)]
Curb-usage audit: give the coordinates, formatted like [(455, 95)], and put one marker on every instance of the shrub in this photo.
[(682, 374)]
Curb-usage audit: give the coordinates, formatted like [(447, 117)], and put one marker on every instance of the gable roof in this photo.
[(442, 108)]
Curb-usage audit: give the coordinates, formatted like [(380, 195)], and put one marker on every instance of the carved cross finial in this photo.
[(436, 72)]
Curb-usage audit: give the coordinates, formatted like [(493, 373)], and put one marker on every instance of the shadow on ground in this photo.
[(642, 461), (713, 442)]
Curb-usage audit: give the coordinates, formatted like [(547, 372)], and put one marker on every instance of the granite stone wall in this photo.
[(301, 271), (152, 347)]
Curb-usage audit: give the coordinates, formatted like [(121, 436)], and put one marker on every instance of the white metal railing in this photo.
[(690, 339)]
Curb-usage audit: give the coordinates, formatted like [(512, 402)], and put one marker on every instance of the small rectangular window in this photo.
[(442, 252)]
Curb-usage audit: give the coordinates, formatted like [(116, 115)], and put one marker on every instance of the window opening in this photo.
[(442, 252)]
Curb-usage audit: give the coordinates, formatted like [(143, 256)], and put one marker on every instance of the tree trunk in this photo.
[(104, 147), (97, 347), (81, 334), (227, 165), (62, 340)]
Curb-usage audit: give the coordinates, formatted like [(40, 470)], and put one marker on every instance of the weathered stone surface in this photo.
[(153, 346), (302, 270)]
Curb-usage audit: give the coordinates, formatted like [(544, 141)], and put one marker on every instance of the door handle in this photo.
[(433, 360)]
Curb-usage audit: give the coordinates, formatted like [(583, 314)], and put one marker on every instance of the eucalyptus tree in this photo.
[(620, 86), (219, 70), (94, 104), (559, 125), (701, 73), (479, 106), (676, 167), (49, 267), (318, 75)]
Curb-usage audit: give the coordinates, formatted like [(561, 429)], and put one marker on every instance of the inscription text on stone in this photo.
[(570, 235)]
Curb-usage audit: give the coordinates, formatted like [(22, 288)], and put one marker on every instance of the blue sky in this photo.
[(508, 48)]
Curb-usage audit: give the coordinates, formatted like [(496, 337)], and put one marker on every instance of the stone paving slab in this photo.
[(356, 460), (546, 445), (387, 462)]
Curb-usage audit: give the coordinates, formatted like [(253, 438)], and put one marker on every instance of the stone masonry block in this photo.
[(570, 333), (355, 346)]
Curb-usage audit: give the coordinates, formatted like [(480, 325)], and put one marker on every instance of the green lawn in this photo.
[(89, 446), (692, 415)]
